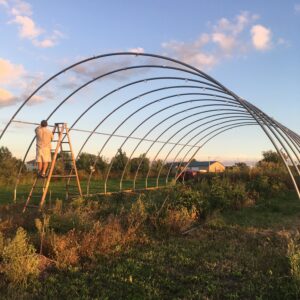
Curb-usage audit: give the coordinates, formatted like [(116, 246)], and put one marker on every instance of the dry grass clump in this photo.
[(66, 249), (178, 220), (103, 238)]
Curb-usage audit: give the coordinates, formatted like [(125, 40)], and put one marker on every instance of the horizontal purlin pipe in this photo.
[(97, 132)]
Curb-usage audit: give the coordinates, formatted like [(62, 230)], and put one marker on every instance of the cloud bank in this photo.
[(226, 39), (20, 13)]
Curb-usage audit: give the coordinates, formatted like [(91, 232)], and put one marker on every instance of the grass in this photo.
[(279, 213), (57, 189), (235, 254)]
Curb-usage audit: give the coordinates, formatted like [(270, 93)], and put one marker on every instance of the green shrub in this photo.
[(185, 197), (136, 216), (217, 194), (294, 258), (20, 261), (237, 195)]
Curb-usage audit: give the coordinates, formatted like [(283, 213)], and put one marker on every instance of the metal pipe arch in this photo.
[(112, 160), (176, 144), (229, 100), (164, 131), (197, 134), (274, 130), (276, 147), (165, 108), (200, 147), (103, 97), (200, 73)]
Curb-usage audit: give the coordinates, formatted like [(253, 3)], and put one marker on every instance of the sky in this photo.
[(251, 47)]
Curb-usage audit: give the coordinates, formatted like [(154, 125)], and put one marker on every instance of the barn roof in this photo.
[(201, 163)]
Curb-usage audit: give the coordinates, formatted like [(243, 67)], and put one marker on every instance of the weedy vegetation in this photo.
[(226, 236)]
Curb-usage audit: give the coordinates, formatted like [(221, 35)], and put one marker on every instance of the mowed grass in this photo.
[(57, 189)]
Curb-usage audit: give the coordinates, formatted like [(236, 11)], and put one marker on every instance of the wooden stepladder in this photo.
[(62, 150)]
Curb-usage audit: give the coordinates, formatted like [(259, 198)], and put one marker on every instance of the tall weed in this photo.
[(20, 261)]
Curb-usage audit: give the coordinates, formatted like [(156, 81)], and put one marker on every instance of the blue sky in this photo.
[(252, 47)]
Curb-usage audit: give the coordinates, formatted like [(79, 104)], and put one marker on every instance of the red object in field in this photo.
[(187, 175)]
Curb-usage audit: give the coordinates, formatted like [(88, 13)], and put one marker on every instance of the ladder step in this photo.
[(69, 164)]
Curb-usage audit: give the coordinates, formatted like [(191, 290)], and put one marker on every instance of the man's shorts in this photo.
[(43, 155)]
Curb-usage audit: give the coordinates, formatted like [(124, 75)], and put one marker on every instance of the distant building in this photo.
[(206, 166), (31, 165)]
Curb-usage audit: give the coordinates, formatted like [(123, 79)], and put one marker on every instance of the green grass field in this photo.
[(57, 189)]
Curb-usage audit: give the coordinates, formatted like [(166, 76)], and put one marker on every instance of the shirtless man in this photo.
[(44, 137)]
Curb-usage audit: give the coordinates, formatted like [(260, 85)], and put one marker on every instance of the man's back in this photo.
[(43, 137)]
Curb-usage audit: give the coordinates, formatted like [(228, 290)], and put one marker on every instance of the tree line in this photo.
[(87, 163)]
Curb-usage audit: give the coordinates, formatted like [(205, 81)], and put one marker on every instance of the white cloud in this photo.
[(17, 84), (4, 3), (137, 50), (297, 8), (27, 27), (21, 8), (226, 42), (237, 26), (261, 37), (50, 41), (10, 71), (227, 38), (6, 97), (210, 48), (189, 53), (20, 13)]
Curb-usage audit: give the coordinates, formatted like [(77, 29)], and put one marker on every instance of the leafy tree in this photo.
[(242, 166), (87, 160), (135, 162), (271, 156), (5, 154), (9, 165), (119, 161), (156, 165)]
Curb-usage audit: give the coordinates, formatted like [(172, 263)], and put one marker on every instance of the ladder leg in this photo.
[(74, 163), (60, 132), (30, 194)]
